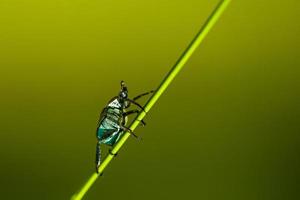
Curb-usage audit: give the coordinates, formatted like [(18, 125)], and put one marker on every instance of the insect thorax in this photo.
[(113, 115), (115, 104)]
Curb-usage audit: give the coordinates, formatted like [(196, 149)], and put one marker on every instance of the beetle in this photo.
[(113, 119)]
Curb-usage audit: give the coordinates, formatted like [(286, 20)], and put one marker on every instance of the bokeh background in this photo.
[(226, 128)]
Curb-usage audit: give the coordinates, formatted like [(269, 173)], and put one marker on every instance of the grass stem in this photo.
[(212, 19)]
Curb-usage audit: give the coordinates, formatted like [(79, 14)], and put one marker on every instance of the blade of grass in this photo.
[(212, 19)]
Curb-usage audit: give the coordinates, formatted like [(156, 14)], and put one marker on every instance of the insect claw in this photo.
[(97, 171), (111, 153), (143, 122)]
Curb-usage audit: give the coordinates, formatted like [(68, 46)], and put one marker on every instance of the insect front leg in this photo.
[(135, 103)]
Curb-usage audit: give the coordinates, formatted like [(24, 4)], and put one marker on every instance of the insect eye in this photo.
[(123, 94)]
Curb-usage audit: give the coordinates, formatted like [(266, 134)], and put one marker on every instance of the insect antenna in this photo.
[(141, 95)]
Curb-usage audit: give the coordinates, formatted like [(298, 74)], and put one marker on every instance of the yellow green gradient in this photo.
[(164, 84), (227, 127)]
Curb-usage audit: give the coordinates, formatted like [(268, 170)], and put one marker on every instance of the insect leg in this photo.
[(98, 156), (133, 112), (111, 153), (130, 112), (142, 122), (124, 128), (141, 95), (137, 104)]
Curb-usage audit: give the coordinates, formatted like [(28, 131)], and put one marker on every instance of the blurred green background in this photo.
[(226, 128)]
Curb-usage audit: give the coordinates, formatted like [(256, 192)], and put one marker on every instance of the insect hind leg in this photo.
[(124, 128), (98, 156), (111, 153)]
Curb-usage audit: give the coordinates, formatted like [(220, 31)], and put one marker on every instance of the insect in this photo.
[(113, 119)]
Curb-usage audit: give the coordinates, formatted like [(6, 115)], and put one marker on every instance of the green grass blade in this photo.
[(164, 84)]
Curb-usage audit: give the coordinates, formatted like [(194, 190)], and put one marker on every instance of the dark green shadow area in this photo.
[(226, 129)]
